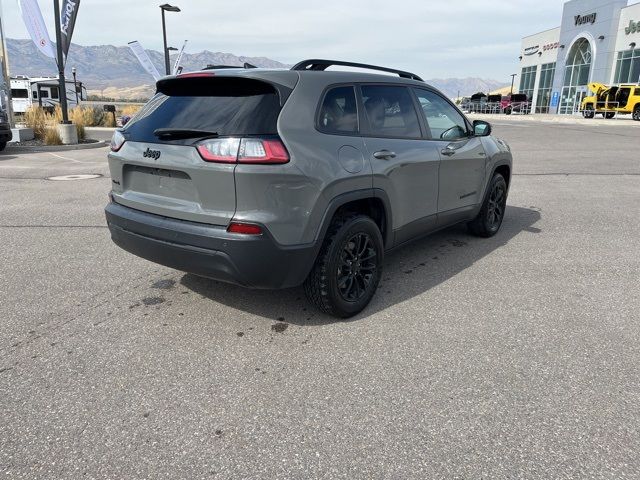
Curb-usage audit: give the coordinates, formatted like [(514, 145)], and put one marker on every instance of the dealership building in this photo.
[(597, 41)]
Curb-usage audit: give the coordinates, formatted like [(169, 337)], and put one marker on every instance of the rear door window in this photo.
[(390, 111), (338, 111), (228, 106)]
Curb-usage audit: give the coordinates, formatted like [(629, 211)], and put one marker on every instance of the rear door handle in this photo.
[(384, 154)]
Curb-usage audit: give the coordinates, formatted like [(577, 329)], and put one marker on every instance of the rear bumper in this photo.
[(255, 261)]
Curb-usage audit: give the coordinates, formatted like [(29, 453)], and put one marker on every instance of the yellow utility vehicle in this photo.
[(609, 100)]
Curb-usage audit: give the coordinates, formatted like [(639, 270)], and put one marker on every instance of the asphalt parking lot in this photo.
[(510, 357)]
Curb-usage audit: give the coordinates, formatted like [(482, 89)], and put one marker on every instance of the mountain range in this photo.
[(115, 72)]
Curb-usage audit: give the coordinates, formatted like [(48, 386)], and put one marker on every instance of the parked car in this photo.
[(5, 130), (273, 179), (516, 103)]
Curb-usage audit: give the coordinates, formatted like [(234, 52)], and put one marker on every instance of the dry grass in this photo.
[(131, 110), (36, 119), (52, 137), (109, 120)]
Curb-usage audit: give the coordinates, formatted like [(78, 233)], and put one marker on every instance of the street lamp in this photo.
[(166, 8), (75, 84), (513, 77)]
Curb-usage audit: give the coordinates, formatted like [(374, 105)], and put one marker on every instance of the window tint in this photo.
[(390, 111), (224, 105), (338, 112), (443, 120)]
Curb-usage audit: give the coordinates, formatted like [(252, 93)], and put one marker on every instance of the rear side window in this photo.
[(338, 112), (228, 106), (390, 111)]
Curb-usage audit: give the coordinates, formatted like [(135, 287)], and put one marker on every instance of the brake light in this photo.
[(244, 228), (220, 150), (117, 140), (247, 150), (256, 150), (196, 75)]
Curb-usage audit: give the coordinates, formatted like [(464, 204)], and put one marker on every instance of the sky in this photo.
[(433, 38)]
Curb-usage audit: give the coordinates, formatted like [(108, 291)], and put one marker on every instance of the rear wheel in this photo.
[(348, 269), (3, 145), (636, 113), (507, 111), (489, 219), (588, 112), (609, 114)]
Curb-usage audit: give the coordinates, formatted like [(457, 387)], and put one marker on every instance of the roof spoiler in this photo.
[(320, 65)]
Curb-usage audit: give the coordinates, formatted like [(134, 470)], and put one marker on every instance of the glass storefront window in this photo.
[(576, 76), (628, 67), (528, 80), (547, 72)]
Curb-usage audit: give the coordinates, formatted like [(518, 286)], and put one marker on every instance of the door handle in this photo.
[(384, 154), (448, 151)]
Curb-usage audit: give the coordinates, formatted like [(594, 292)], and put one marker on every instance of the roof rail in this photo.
[(319, 65)]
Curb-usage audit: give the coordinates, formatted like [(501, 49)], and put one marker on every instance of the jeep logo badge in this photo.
[(148, 153)]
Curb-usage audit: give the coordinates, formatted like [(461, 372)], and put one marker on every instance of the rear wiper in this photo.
[(182, 133)]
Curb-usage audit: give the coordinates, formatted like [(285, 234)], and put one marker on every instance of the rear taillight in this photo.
[(117, 140), (220, 150), (247, 150), (244, 228)]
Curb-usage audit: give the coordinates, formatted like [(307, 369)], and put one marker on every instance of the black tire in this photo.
[(588, 112), (507, 111), (3, 145), (636, 113), (489, 219), (609, 115), (343, 280)]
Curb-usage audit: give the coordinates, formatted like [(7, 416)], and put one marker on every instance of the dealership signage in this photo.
[(531, 50), (584, 19), (550, 46), (633, 27)]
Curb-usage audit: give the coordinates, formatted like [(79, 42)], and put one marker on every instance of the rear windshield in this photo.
[(229, 106)]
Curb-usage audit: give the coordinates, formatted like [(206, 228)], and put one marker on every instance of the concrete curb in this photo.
[(556, 119), (53, 148)]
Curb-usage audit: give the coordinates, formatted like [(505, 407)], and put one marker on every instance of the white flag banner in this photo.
[(143, 58), (179, 58), (32, 16)]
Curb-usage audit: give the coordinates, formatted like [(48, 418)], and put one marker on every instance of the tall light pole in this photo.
[(75, 84), (166, 8), (513, 77)]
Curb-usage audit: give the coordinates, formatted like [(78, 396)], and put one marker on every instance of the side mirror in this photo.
[(481, 128)]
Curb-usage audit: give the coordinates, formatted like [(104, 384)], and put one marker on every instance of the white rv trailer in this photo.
[(43, 92)]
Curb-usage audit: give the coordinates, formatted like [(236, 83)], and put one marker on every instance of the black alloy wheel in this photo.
[(358, 265)]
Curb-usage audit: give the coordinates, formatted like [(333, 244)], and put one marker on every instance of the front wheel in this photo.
[(636, 113), (489, 219), (3, 145), (348, 269), (588, 112), (609, 115)]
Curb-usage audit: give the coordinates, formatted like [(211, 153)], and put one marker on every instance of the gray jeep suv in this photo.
[(276, 178)]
